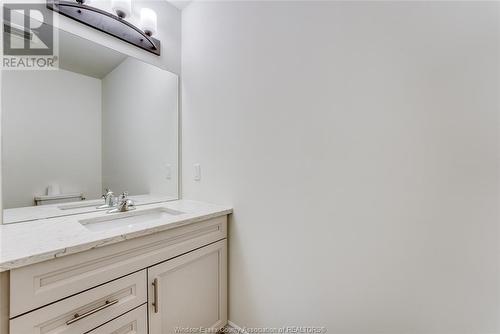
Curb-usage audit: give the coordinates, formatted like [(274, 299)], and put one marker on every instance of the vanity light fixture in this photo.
[(117, 24)]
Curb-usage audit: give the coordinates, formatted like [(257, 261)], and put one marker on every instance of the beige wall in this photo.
[(358, 143)]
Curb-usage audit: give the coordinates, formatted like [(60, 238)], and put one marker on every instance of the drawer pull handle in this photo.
[(155, 292), (78, 317)]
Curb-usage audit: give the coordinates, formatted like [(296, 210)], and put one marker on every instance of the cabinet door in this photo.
[(189, 291)]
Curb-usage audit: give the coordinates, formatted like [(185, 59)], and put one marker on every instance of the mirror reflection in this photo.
[(102, 121)]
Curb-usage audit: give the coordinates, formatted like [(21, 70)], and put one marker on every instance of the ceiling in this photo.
[(180, 4), (82, 56)]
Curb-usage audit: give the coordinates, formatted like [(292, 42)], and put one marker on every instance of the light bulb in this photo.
[(148, 21), (122, 8)]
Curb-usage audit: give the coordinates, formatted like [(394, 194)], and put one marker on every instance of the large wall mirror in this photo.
[(102, 121)]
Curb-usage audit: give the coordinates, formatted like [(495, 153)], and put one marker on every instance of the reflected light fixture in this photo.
[(148, 21), (115, 24), (122, 8)]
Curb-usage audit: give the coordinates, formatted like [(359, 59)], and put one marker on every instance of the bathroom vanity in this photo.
[(71, 261), (157, 269)]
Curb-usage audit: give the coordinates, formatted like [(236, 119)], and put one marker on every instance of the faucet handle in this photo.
[(129, 204), (124, 195)]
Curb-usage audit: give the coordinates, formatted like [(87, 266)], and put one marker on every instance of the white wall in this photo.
[(140, 129), (358, 143), (51, 133)]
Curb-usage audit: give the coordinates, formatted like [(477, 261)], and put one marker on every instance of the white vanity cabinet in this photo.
[(153, 284)]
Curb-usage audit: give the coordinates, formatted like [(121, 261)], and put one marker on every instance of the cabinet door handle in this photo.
[(79, 317), (155, 297)]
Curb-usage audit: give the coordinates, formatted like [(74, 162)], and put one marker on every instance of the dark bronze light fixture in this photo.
[(112, 24)]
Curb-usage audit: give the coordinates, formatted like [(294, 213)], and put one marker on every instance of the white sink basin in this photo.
[(128, 219)]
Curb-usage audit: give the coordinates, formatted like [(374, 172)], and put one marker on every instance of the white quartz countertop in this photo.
[(35, 241)]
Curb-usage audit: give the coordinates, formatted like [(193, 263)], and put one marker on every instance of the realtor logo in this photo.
[(28, 36)]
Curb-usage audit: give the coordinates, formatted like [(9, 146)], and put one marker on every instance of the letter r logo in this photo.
[(27, 30)]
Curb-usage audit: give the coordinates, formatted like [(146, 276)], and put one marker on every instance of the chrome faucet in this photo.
[(124, 204), (109, 200)]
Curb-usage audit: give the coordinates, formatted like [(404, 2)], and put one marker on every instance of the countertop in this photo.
[(35, 241)]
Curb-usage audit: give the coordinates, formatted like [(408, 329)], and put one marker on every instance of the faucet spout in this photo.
[(124, 204)]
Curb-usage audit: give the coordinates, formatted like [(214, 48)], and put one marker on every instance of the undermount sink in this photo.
[(128, 219)]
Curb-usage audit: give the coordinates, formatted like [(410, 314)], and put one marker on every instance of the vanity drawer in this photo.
[(87, 310), (133, 322), (46, 282)]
